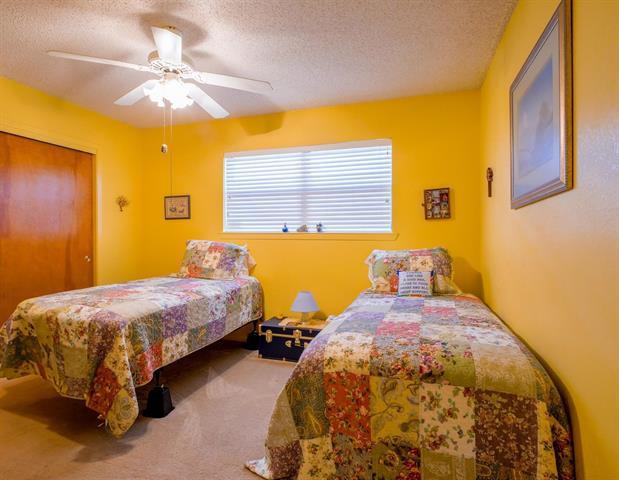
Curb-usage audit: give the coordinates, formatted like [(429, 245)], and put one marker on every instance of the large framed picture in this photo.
[(177, 207), (541, 115)]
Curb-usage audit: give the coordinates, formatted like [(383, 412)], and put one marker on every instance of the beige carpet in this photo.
[(223, 396)]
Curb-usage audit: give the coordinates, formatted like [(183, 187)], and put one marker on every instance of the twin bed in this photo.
[(431, 387), (99, 344)]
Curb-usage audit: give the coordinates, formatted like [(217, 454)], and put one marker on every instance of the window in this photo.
[(346, 187)]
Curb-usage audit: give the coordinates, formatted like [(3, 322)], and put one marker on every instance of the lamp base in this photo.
[(306, 319)]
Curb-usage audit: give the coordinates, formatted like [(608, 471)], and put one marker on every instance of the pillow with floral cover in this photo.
[(216, 260), (384, 266)]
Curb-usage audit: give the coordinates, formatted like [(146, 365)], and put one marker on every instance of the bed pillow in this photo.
[(215, 260), (384, 266), (415, 283)]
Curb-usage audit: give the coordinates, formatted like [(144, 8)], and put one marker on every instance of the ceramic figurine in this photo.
[(285, 228), (302, 228), (319, 227)]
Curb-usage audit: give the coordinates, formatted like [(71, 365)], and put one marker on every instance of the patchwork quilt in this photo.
[(433, 388), (99, 344)]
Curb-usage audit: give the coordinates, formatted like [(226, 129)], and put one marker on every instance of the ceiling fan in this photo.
[(168, 64)]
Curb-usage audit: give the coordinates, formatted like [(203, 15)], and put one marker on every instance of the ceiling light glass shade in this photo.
[(173, 90)]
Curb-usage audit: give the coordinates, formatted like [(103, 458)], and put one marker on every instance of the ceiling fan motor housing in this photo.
[(163, 66)]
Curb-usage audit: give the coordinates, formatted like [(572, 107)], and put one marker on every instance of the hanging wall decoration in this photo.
[(541, 115), (489, 180), (177, 207), (436, 203), (122, 202)]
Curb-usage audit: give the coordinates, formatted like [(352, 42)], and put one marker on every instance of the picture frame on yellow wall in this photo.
[(436, 203), (177, 207), (541, 115)]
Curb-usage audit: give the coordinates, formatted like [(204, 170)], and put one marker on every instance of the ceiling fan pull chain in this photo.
[(164, 145), (171, 190)]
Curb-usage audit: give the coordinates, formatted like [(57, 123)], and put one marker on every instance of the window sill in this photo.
[(325, 236)]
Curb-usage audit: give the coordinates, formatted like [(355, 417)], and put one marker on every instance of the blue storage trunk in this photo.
[(285, 342)]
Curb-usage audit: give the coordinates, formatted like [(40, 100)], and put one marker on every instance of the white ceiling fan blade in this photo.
[(229, 81), (207, 103), (104, 61), (169, 45), (136, 94)]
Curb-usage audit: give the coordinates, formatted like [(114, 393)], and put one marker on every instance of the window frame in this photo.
[(381, 142)]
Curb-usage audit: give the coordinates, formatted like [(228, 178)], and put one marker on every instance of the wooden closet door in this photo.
[(46, 220)]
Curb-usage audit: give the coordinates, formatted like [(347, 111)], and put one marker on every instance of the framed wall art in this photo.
[(541, 115), (436, 203), (177, 207)]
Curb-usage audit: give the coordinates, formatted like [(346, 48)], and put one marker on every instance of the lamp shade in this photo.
[(304, 303)]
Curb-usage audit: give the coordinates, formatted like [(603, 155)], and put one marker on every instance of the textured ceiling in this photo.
[(314, 52)]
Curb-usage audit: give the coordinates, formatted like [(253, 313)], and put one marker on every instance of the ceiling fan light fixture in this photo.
[(171, 89), (168, 64)]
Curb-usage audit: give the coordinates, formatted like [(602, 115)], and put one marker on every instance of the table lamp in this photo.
[(304, 304)]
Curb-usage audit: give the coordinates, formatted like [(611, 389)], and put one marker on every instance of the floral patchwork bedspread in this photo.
[(100, 343), (433, 388)]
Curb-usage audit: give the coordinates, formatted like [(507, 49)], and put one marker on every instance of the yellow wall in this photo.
[(435, 144), (31, 113), (551, 269)]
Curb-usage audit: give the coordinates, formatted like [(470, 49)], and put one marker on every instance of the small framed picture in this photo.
[(177, 207), (436, 203)]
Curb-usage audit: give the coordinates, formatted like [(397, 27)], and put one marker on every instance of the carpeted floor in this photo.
[(223, 396)]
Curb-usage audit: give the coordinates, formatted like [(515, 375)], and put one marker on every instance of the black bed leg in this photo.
[(253, 338), (159, 402)]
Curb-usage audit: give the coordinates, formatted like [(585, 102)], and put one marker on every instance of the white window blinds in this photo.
[(346, 187)]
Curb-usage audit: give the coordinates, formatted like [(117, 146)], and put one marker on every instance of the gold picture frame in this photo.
[(540, 102)]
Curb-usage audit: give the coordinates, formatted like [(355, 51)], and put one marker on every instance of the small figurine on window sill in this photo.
[(285, 228), (303, 228), (319, 227)]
